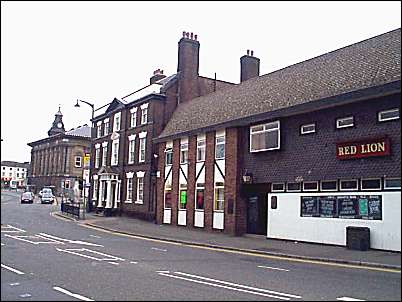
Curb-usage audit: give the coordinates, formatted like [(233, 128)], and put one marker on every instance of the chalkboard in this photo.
[(348, 207), (328, 206), (309, 206), (342, 206), (375, 207)]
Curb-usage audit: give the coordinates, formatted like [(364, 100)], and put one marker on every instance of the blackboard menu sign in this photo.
[(309, 206), (328, 206), (348, 207), (342, 206)]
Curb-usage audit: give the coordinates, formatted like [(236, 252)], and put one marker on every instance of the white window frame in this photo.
[(329, 190), (140, 197), (380, 119), (219, 137), (201, 145), (144, 114), (278, 183), (99, 129), (67, 181), (216, 188), (97, 157), (129, 189), (293, 182), (390, 178), (199, 186), (167, 188), (106, 126), (133, 117), (310, 190), (131, 149), (141, 153), (117, 121), (343, 119), (115, 153), (168, 150), (347, 189), (184, 153), (302, 131), (79, 158), (95, 191), (265, 125), (370, 189), (104, 155)]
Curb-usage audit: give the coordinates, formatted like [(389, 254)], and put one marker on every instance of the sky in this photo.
[(53, 53)]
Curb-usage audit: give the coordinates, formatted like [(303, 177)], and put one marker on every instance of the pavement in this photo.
[(255, 244)]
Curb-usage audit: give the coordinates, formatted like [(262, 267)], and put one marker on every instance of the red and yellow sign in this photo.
[(364, 148)]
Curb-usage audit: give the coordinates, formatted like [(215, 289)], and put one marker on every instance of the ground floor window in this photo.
[(129, 189), (168, 199), (219, 198), (95, 192), (140, 190), (200, 196), (183, 197)]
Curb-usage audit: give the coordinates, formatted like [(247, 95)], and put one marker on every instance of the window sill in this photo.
[(128, 201), (138, 202)]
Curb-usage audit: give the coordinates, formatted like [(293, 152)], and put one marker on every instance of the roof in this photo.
[(369, 63), (82, 131), (6, 163)]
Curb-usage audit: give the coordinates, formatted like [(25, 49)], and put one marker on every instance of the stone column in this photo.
[(109, 194), (100, 193)]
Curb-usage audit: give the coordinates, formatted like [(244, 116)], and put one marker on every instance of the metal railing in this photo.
[(73, 209)]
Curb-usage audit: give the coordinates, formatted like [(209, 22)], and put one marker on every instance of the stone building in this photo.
[(299, 153), (58, 160)]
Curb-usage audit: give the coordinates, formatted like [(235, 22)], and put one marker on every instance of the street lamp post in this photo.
[(89, 202)]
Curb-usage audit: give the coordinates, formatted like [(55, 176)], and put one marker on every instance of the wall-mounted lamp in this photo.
[(248, 177)]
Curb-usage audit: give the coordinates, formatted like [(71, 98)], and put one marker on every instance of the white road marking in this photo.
[(2, 244), (115, 263), (75, 252), (14, 284), (77, 296), (21, 238), (12, 269), (13, 229), (165, 272), (158, 249), (25, 295), (274, 268), (239, 285), (95, 236), (71, 241), (348, 299), (223, 286), (133, 262)]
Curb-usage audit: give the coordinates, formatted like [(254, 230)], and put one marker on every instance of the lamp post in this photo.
[(89, 203)]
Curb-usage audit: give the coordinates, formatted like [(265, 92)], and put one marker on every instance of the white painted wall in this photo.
[(285, 222)]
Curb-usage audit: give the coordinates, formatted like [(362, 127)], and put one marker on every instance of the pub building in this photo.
[(300, 153)]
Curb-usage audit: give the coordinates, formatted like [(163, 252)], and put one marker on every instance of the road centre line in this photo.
[(348, 299), (158, 249), (239, 285), (77, 296), (223, 286), (274, 268), (218, 249), (12, 269)]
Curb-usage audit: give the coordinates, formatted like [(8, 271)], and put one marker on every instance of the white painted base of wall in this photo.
[(199, 218), (285, 221), (181, 217), (218, 219), (167, 216)]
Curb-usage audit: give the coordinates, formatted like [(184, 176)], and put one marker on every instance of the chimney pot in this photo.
[(191, 36), (252, 52), (161, 71), (184, 34), (195, 37), (248, 51), (187, 35)]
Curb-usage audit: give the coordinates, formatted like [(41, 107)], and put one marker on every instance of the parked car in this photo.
[(47, 197), (45, 190), (27, 197)]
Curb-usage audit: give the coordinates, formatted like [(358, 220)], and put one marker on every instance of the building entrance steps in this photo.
[(258, 244)]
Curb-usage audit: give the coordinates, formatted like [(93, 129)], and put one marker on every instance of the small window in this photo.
[(278, 187), (131, 151), (133, 118), (183, 153), (168, 199), (293, 186), (371, 184), (392, 183), (78, 161), (348, 185), (168, 156), (345, 122), (388, 115), (310, 186), (200, 196), (329, 185), (142, 149), (99, 131), (140, 190), (116, 124), (220, 147), (144, 115), (219, 199), (104, 155), (274, 202), (106, 128), (201, 150), (265, 137), (183, 199), (308, 128), (129, 196)]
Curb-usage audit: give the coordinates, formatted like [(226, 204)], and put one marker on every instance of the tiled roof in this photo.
[(83, 131), (6, 163), (369, 63)]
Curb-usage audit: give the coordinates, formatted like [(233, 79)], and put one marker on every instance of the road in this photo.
[(47, 258)]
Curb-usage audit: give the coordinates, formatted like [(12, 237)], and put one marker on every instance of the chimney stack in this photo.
[(249, 66), (158, 75)]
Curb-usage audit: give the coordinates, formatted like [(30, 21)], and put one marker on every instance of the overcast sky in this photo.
[(55, 52)]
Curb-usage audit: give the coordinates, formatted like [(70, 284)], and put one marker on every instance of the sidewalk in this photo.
[(247, 243)]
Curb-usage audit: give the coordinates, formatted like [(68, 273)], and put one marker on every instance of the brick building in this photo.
[(124, 165), (58, 160), (299, 153)]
